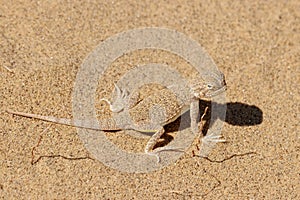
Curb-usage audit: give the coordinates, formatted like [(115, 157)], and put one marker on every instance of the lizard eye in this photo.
[(209, 86)]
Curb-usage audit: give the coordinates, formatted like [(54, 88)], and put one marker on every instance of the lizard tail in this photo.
[(105, 124)]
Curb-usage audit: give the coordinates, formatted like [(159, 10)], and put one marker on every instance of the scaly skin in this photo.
[(150, 114)]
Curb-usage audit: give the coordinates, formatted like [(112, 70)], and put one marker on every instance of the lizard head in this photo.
[(213, 85)]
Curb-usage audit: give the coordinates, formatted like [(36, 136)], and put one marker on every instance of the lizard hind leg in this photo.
[(133, 99), (152, 142), (157, 114)]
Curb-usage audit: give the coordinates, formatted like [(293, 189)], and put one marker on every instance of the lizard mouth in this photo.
[(216, 92)]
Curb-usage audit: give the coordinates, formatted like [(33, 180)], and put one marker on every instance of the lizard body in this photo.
[(151, 113)]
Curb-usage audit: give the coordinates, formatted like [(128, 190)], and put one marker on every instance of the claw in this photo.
[(120, 101), (213, 138), (118, 90), (120, 93), (208, 143)]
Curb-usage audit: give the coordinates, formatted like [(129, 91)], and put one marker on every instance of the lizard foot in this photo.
[(208, 143), (160, 149), (212, 139), (154, 154), (119, 103)]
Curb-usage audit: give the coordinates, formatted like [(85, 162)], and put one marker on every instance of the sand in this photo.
[(255, 44)]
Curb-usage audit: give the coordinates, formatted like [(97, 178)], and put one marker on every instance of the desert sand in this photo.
[(256, 44)]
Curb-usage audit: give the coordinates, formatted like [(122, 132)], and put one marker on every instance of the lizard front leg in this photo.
[(194, 113)]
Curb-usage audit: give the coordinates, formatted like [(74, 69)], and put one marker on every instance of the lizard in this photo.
[(151, 113)]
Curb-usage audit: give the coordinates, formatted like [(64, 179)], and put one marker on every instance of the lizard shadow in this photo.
[(237, 114)]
